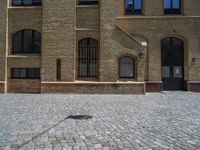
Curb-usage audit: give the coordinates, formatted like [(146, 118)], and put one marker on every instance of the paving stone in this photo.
[(168, 120)]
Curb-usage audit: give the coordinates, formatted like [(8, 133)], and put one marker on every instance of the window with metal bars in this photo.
[(88, 58), (26, 2), (172, 6), (26, 41)]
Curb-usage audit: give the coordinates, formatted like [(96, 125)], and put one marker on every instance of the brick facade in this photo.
[(63, 23)]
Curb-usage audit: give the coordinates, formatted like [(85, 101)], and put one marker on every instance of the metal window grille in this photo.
[(88, 58)]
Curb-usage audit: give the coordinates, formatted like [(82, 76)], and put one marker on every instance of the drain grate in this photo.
[(79, 117)]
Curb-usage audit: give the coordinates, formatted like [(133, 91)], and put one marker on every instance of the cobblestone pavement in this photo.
[(169, 120)]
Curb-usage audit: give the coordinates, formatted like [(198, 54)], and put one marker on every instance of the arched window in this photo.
[(127, 67), (88, 58), (133, 7), (172, 6), (26, 2), (26, 41)]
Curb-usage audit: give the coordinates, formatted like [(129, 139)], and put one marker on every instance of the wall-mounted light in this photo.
[(194, 60), (141, 55)]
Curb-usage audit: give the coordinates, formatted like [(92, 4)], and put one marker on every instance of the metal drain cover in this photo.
[(80, 117)]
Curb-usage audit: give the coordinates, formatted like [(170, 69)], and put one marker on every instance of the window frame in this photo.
[(171, 10), (134, 11), (27, 71), (23, 51), (33, 3), (85, 57), (134, 68)]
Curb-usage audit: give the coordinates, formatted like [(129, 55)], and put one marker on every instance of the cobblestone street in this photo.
[(168, 120)]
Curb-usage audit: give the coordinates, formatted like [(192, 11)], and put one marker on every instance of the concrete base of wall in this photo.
[(23, 86), (93, 87), (193, 86), (153, 86), (2, 87)]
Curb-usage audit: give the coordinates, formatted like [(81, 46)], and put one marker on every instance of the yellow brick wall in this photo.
[(63, 24)]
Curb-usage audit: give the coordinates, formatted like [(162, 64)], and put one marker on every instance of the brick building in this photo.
[(105, 46)]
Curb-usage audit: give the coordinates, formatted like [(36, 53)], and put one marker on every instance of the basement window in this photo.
[(26, 2), (25, 73), (88, 2)]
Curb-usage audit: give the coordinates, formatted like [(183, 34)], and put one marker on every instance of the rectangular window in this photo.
[(133, 7), (172, 6), (88, 2), (25, 73), (26, 2)]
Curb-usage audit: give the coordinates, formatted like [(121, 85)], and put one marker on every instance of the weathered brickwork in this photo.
[(63, 24), (94, 88), (23, 86)]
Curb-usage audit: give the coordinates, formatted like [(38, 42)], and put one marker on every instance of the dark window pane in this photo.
[(88, 2), (177, 44), (58, 69), (33, 73), (22, 73), (166, 44), (133, 7), (15, 73), (25, 73), (172, 7), (16, 2), (17, 42), (26, 2), (37, 42), (28, 41)]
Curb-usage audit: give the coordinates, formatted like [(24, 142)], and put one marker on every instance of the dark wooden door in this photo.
[(172, 64)]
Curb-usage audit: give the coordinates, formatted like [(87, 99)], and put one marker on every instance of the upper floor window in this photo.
[(26, 41), (172, 6), (26, 2), (87, 2), (133, 7)]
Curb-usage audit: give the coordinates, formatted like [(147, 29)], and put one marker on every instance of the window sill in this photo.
[(25, 7), (23, 55), (87, 6), (24, 79), (127, 80), (156, 17)]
